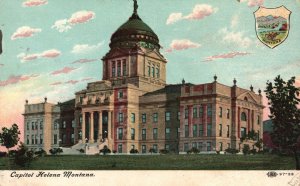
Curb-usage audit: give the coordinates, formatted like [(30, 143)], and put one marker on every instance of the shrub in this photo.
[(164, 151), (114, 151), (253, 151), (194, 150), (40, 153), (12, 153), (23, 157), (3, 154), (134, 151), (81, 150), (231, 151), (55, 151), (246, 149), (105, 150)]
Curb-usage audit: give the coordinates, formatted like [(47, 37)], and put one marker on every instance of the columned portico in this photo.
[(100, 127), (91, 140)]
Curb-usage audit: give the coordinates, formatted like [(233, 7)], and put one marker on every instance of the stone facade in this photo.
[(41, 130)]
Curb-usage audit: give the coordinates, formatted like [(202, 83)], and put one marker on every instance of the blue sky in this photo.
[(54, 47)]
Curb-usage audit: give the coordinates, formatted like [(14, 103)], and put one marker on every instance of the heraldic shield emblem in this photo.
[(272, 25)]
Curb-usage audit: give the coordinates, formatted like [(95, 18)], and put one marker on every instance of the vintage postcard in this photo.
[(173, 92)]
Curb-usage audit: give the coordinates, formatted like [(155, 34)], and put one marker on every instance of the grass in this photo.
[(158, 162)]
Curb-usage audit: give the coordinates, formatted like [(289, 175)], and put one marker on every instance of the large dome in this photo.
[(134, 32)]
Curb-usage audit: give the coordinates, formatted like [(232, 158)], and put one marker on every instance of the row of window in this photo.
[(116, 70), (34, 139), (201, 130), (35, 125), (153, 72), (202, 146), (221, 113), (198, 111)]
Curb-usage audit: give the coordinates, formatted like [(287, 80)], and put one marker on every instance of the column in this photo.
[(239, 122), (83, 128), (248, 121), (109, 126), (181, 122), (100, 126), (122, 68), (91, 140), (252, 120), (190, 120), (204, 120)]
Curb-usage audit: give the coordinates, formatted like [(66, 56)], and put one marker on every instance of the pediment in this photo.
[(114, 53), (249, 96), (155, 54)]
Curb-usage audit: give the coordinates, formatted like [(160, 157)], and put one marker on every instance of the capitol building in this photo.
[(133, 107)]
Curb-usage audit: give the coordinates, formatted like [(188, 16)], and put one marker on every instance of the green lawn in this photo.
[(158, 162)]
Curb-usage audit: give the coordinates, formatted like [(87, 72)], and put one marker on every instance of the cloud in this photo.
[(16, 79), (236, 38), (234, 21), (65, 70), (1, 65), (200, 11), (84, 61), (31, 3), (64, 25), (252, 3), (84, 48), (72, 82), (56, 83), (25, 31), (174, 17), (87, 79), (225, 56), (53, 53), (182, 45)]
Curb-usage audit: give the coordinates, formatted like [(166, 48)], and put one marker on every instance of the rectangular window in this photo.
[(167, 116), (186, 131), (143, 134), (201, 111), (167, 133), (55, 125), (228, 145), (120, 94), (27, 140), (220, 146), (195, 112), (144, 150), (124, 67), (132, 134), (132, 117), (228, 131), (64, 124), (36, 139), (194, 130), (228, 113), (36, 125), (113, 69), (220, 130), (167, 146), (155, 117), (155, 133), (28, 126), (153, 72), (73, 123), (80, 120), (120, 148), (194, 145), (120, 133), (220, 111), (209, 110), (200, 146), (64, 138), (258, 120), (208, 130), (201, 130), (55, 139), (178, 116), (243, 132), (149, 71), (157, 72), (32, 139), (119, 68), (186, 147), (41, 138), (186, 113), (144, 118), (120, 117), (208, 146), (32, 125), (258, 135), (155, 148)]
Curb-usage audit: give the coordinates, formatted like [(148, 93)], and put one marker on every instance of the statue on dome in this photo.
[(135, 6)]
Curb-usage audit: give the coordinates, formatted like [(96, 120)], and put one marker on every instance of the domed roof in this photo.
[(134, 32)]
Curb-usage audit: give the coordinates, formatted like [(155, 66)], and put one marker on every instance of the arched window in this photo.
[(243, 116), (245, 98)]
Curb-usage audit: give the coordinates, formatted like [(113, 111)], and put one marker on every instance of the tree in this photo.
[(283, 100), (258, 144), (23, 157), (105, 150), (10, 136)]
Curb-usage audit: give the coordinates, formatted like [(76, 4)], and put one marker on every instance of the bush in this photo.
[(253, 151), (23, 157), (3, 154), (231, 151), (114, 151), (151, 150), (193, 150), (12, 153), (246, 149), (81, 150), (134, 151), (105, 150), (164, 151), (55, 151), (40, 153)]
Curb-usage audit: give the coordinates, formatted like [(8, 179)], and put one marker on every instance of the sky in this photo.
[(53, 48)]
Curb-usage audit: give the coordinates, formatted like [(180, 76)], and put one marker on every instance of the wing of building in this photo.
[(133, 107)]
